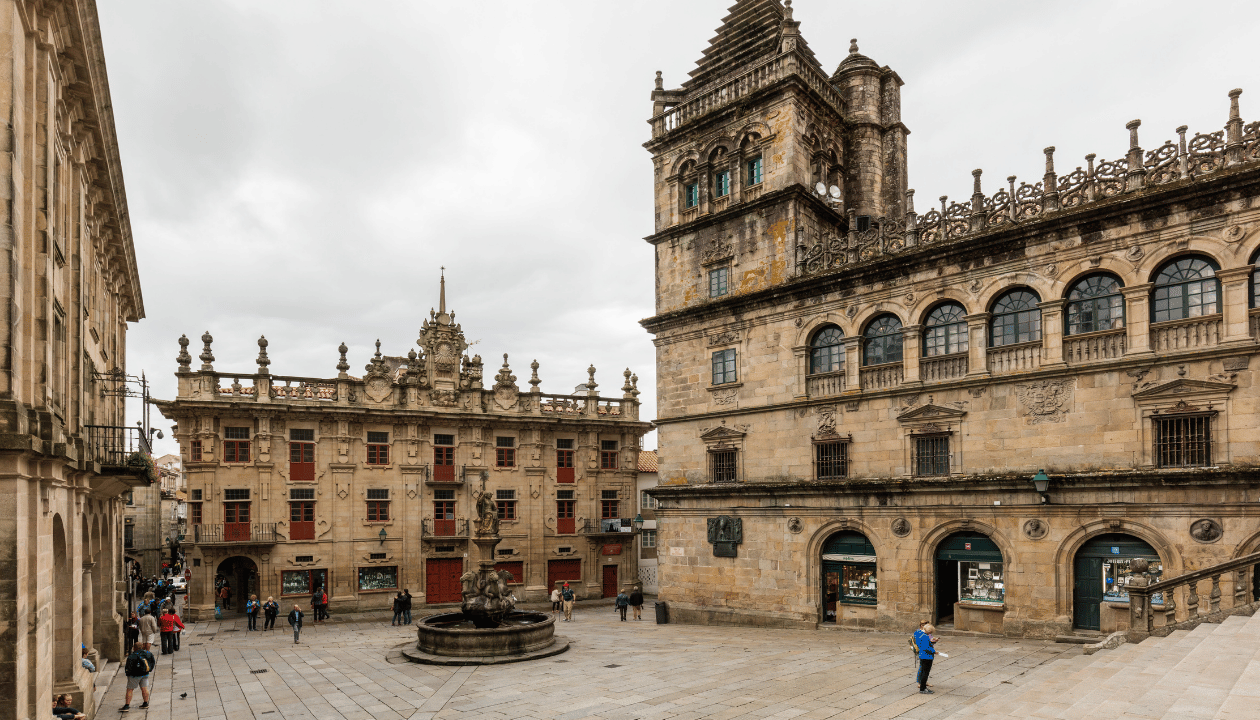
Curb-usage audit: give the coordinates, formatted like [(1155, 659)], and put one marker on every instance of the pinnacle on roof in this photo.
[(751, 31), (854, 59)]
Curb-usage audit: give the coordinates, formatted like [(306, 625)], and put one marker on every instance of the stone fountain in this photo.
[(488, 629)]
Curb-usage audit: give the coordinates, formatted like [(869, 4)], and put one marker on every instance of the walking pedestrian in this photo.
[(252, 606), (138, 666), (397, 609), (131, 630), (295, 620), (623, 602), (636, 602), (179, 626), (148, 630), (566, 596), (167, 624), (925, 643), (225, 596), (271, 609), (555, 600), (406, 606)]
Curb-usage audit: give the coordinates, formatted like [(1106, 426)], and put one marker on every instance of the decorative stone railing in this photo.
[(825, 385), (943, 367), (1015, 358), (233, 533), (881, 377), (1186, 334), (1182, 161), (1105, 345), (435, 528)]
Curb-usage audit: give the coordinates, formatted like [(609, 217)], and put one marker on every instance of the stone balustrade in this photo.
[(1193, 333), (943, 367), (825, 384), (1007, 359), (881, 377), (1105, 345), (1201, 593)]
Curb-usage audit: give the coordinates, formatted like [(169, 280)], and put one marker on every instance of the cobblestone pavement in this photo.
[(613, 671)]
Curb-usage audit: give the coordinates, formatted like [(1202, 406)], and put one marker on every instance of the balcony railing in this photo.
[(615, 526), (825, 385), (1105, 345), (943, 367), (457, 528), (881, 377), (1186, 334), (234, 533), (118, 446), (444, 474), (1015, 358)]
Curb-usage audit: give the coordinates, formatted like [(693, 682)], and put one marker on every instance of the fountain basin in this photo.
[(452, 639)]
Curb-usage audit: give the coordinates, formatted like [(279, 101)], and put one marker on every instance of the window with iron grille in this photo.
[(376, 556), (377, 510), (505, 452), (236, 444), (1183, 441), (378, 437), (236, 433), (194, 451), (236, 494), (564, 494), (831, 460), (304, 558), (506, 500), (608, 505), (719, 281), (723, 466), (443, 439), (196, 494), (302, 494), (302, 434), (564, 444), (724, 366), (194, 513), (608, 454), (444, 494), (378, 494), (931, 455)]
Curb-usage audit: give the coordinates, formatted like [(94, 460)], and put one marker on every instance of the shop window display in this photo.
[(981, 582), (378, 578), (1118, 575), (849, 575)]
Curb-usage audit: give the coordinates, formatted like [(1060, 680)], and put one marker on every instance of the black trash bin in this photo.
[(662, 614)]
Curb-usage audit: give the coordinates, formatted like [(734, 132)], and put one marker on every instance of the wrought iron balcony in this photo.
[(444, 474), (452, 529), (121, 450), (234, 534), (615, 526)]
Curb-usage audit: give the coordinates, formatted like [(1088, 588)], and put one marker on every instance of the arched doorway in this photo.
[(969, 569), (62, 605), (242, 575), (1101, 573), (848, 574)]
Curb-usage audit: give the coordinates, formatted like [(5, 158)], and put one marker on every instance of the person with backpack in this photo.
[(295, 621), (148, 629), (138, 666), (622, 604), (406, 605), (252, 606), (925, 644), (636, 602), (271, 609), (566, 596), (167, 624)]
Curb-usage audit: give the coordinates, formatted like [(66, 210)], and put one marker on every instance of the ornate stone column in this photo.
[(800, 355), (911, 344), (1137, 319), (1052, 333), (852, 364), (978, 344)]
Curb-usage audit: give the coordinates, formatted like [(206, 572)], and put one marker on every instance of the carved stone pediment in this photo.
[(1183, 387), (720, 433), (931, 412)]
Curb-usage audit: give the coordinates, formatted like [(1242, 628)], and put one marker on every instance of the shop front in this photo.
[(970, 583), (1103, 570), (849, 579)]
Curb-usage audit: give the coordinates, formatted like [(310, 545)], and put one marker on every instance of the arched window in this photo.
[(826, 352), (1095, 304), (882, 341), (1186, 288), (945, 332), (1016, 319)]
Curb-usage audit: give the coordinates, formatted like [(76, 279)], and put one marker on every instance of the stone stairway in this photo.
[(1209, 673)]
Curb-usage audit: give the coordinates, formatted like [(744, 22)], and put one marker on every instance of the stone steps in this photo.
[(1210, 672)]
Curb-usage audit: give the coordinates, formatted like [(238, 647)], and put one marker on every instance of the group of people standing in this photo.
[(402, 608)]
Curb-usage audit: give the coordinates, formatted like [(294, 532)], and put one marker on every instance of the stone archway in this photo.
[(969, 582), (62, 605), (241, 573)]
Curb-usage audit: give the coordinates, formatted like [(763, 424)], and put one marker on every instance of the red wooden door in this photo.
[(444, 518), (302, 520), (562, 571), (444, 464), (610, 581), (516, 568), (564, 517), (302, 462), (441, 580), (564, 466), (236, 521)]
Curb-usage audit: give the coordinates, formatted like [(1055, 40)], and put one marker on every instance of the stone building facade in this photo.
[(648, 479), (70, 286), (855, 398), (365, 486)]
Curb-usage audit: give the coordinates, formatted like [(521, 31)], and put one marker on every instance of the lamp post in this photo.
[(382, 535), (637, 522), (1041, 482)]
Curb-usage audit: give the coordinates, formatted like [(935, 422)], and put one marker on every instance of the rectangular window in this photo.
[(565, 524), (564, 460), (608, 454), (505, 452), (753, 168), (301, 455), (564, 444), (302, 434), (506, 500), (646, 502), (722, 183), (236, 433), (608, 505), (692, 195), (981, 582), (377, 454), (931, 455), (649, 538), (236, 444), (378, 578), (831, 460), (565, 494), (1183, 441), (196, 494), (444, 494), (377, 556), (302, 582), (379, 438), (444, 440), (194, 451), (723, 466), (377, 510), (302, 494), (444, 458), (718, 281), (194, 513), (236, 494), (302, 520), (304, 558), (724, 366), (378, 494)]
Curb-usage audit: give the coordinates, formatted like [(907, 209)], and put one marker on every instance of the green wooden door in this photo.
[(1087, 593)]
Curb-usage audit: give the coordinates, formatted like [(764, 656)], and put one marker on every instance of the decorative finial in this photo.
[(184, 359), (634, 382), (1233, 103), (378, 348), (625, 389), (442, 294), (1049, 159), (411, 355), (533, 377), (591, 384), (1133, 126), (263, 360), (853, 46), (660, 81), (975, 186), (207, 357), (342, 365), (787, 9)]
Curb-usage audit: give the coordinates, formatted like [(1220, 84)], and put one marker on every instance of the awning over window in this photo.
[(972, 546), (1117, 545)]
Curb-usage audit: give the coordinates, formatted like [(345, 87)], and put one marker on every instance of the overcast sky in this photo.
[(302, 169)]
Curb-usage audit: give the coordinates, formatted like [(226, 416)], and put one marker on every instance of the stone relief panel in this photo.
[(1206, 530), (1035, 529), (1045, 400)]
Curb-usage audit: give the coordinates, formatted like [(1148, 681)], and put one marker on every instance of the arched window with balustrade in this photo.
[(945, 330), (826, 351), (1186, 288), (1016, 318), (1094, 304), (882, 341)]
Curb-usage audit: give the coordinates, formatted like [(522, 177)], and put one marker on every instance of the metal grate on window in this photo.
[(378, 438), (236, 433), (447, 440), (506, 551), (931, 455), (304, 558), (564, 444), (306, 434), (376, 556), (831, 460), (378, 494), (564, 494), (444, 494), (236, 494), (196, 494), (504, 494), (1183, 441), (723, 466), (302, 494), (608, 495), (444, 548), (505, 442)]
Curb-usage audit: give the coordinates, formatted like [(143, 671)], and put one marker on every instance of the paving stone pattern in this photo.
[(345, 669)]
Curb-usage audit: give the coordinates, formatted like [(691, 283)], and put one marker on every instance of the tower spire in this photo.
[(442, 295)]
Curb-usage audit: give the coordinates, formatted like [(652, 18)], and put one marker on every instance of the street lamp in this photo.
[(1041, 482), (383, 535), (638, 522)]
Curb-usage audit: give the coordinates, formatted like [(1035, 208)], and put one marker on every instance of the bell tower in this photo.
[(760, 155)]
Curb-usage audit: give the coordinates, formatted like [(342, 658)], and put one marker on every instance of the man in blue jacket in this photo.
[(923, 641)]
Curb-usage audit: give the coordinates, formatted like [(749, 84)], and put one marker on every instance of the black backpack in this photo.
[(137, 665)]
